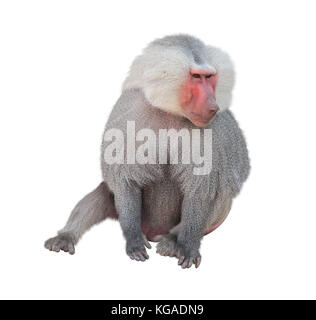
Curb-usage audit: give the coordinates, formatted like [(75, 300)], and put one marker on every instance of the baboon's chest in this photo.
[(161, 208)]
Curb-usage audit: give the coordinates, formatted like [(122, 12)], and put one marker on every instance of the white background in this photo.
[(61, 68)]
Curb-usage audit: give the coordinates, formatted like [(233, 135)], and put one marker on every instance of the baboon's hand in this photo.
[(188, 256), (135, 248)]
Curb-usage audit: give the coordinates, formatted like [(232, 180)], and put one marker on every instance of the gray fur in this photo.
[(206, 200), (190, 45), (92, 209), (163, 202)]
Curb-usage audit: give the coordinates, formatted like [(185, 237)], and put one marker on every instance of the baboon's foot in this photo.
[(167, 246), (63, 241)]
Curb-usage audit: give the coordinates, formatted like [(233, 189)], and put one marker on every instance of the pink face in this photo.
[(197, 97)]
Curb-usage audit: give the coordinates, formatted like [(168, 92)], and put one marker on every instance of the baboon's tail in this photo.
[(90, 210)]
